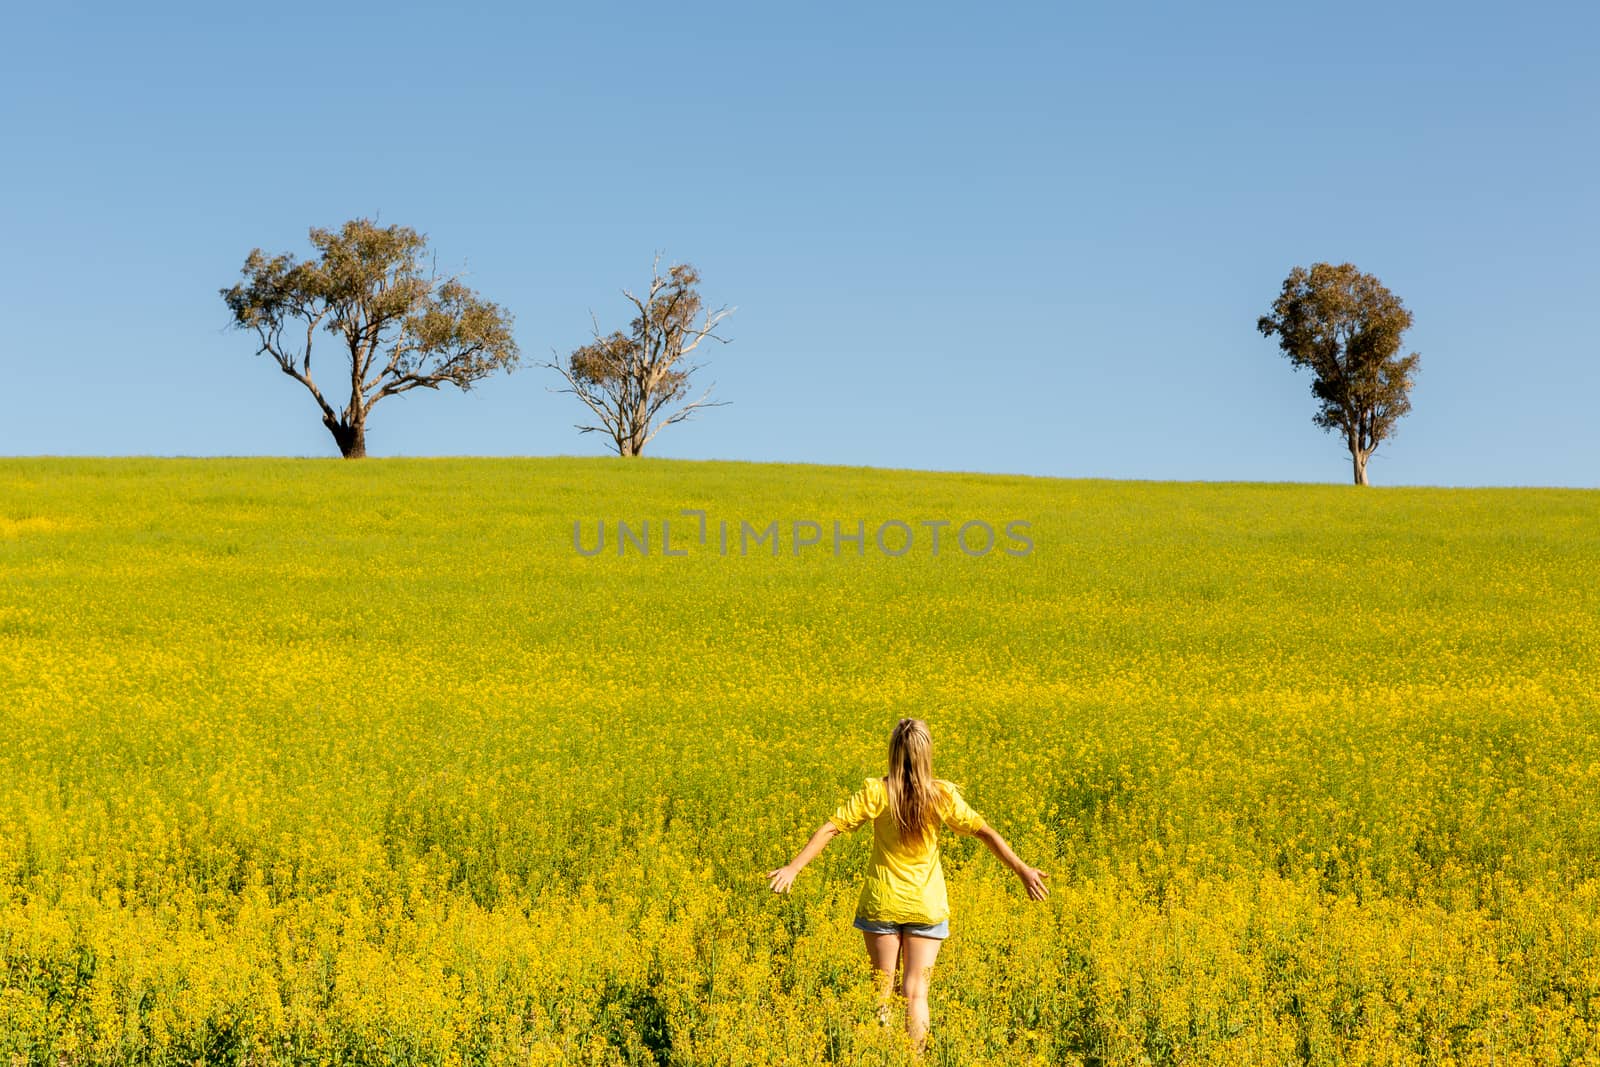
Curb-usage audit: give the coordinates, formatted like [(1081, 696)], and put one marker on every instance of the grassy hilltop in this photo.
[(309, 761)]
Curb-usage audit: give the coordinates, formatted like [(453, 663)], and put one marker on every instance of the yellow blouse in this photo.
[(905, 883)]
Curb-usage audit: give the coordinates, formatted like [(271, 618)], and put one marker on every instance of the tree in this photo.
[(1346, 327), (399, 327), (628, 379)]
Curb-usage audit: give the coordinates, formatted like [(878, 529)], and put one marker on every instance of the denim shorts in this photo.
[(938, 931)]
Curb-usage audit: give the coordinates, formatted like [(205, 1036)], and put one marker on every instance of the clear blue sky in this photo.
[(1013, 239)]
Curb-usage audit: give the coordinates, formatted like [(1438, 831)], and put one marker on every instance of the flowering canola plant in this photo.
[(313, 762)]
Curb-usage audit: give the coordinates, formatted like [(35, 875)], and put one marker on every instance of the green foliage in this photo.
[(1346, 328), (400, 327)]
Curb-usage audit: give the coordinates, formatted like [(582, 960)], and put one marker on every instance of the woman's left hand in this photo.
[(781, 879), (1033, 878)]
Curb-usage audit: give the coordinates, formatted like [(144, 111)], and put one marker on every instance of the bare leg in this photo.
[(884, 952), (920, 954)]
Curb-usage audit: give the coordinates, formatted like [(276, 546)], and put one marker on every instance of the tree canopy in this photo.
[(1346, 328), (629, 379), (399, 326)]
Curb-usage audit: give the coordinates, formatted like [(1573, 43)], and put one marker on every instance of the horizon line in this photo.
[(789, 463)]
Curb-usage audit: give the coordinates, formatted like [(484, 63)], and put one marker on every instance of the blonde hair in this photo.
[(914, 794)]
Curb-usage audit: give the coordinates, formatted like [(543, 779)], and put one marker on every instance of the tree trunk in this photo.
[(352, 439), (1359, 462), (631, 443)]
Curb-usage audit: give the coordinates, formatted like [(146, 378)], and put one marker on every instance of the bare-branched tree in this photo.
[(1346, 327), (400, 328), (629, 380)]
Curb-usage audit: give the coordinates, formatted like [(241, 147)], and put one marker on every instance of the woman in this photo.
[(903, 911)]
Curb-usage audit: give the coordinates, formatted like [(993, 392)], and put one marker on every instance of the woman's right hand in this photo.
[(1033, 880), (781, 879)]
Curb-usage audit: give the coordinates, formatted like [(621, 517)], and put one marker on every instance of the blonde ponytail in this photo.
[(914, 796)]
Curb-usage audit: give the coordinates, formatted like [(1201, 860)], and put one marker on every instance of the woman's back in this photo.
[(903, 911), (905, 880)]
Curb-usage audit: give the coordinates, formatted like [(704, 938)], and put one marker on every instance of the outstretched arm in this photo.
[(1032, 877), (782, 878)]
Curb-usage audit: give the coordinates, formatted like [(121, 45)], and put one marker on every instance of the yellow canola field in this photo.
[(314, 762)]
